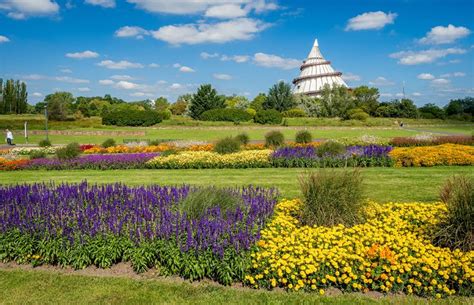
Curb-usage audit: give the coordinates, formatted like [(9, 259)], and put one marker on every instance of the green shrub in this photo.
[(243, 138), (165, 114), (274, 139), (131, 117), (457, 230), (294, 113), (44, 143), (251, 111), (198, 202), (226, 114), (227, 146), (358, 114), (303, 137), (37, 154), (331, 197), (108, 143), (330, 149), (270, 116), (71, 151)]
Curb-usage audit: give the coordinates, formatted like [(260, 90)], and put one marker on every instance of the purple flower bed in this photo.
[(82, 224), (116, 161)]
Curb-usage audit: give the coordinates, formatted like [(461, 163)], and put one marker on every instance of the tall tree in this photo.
[(257, 102), (366, 98), (279, 97), (336, 101), (161, 104), (206, 98), (59, 105)]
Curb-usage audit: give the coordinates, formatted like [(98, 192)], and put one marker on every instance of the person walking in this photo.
[(9, 137)]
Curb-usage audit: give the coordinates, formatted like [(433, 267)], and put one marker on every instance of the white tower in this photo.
[(316, 72)]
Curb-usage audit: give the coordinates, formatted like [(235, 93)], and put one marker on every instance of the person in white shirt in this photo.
[(9, 137)]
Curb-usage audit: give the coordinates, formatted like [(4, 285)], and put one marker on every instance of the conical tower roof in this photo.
[(316, 72)]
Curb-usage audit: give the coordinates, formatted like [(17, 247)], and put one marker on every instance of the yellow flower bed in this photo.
[(207, 159), (123, 149), (390, 252), (446, 154)]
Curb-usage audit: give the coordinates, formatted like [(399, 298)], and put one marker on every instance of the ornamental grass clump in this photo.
[(108, 143), (274, 139), (303, 137), (331, 197), (330, 149), (70, 151), (243, 138), (37, 154), (456, 231), (44, 143), (227, 146)]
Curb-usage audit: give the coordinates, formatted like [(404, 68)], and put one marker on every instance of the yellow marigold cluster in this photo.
[(123, 149), (446, 154), (207, 159), (390, 252)]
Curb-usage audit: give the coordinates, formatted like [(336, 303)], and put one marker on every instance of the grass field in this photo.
[(382, 184)]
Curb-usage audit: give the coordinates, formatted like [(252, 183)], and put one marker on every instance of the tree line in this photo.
[(13, 97)]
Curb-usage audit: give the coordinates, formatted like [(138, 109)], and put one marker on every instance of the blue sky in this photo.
[(138, 49)]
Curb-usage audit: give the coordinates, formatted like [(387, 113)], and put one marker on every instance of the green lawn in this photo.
[(382, 184), (40, 287)]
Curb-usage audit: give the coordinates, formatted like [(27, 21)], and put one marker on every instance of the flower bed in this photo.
[(431, 140), (80, 225), (206, 159), (446, 154), (390, 252), (9, 165), (361, 156)]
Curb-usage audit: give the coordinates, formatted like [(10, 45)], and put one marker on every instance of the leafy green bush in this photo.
[(331, 197), (71, 151), (165, 114), (243, 138), (294, 113), (44, 143), (198, 202), (227, 146), (358, 114), (37, 154), (457, 230), (270, 116), (303, 137), (274, 139), (226, 114), (330, 149), (108, 143), (131, 117), (251, 111)]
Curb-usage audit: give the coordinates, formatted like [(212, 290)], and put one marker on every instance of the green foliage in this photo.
[(243, 138), (226, 114), (44, 143), (358, 114), (37, 154), (165, 114), (181, 105), (14, 97), (274, 139), (404, 108), (366, 98), (161, 104), (270, 116), (310, 105), (108, 143), (251, 111), (431, 111), (336, 101), (129, 117), (330, 149), (239, 102), (206, 98), (227, 146), (258, 101), (461, 108), (331, 197), (456, 231), (70, 151), (294, 113), (200, 201), (303, 137), (279, 97), (59, 105)]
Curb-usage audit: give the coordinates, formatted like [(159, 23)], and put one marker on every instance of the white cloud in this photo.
[(141, 94), (425, 56), (381, 81), (82, 55), (153, 65), (443, 35), (237, 58), (400, 94), (440, 81), (83, 89), (222, 76), (205, 55), (71, 80), (106, 82), (21, 9), (370, 21), (221, 32), (350, 77), (274, 61), (176, 86), (425, 76), (416, 94), (185, 69), (131, 31), (103, 3), (455, 74), (34, 77), (37, 94), (119, 65), (226, 11), (454, 61), (386, 95), (121, 77), (4, 39), (127, 85), (66, 71)]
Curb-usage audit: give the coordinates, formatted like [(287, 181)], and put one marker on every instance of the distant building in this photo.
[(316, 72)]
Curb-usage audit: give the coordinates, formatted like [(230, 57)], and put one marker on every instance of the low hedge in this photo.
[(226, 114), (270, 116), (132, 118)]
